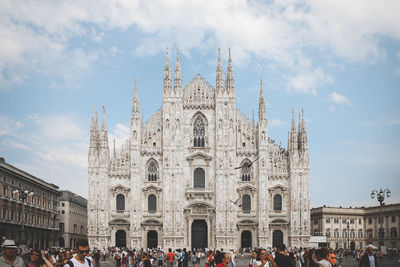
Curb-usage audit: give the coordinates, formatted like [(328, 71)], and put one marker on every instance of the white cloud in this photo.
[(308, 82), (120, 135), (115, 51), (338, 99), (276, 122), (394, 122), (34, 38)]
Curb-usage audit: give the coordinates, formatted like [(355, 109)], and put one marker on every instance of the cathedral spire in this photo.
[(220, 74), (302, 132), (167, 75), (94, 130), (135, 103), (229, 82), (104, 133), (261, 103), (177, 75), (292, 142)]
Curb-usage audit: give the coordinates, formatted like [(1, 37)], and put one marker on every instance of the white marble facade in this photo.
[(174, 183)]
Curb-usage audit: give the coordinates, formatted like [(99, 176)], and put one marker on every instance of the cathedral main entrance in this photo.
[(152, 239), (120, 239), (199, 234), (277, 238), (246, 239)]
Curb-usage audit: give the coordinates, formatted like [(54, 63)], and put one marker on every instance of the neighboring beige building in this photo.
[(29, 218), (174, 183), (73, 219), (356, 227)]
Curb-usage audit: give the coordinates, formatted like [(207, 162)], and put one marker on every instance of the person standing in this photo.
[(266, 260), (369, 259), (10, 258), (323, 257), (80, 259), (170, 258), (253, 261), (282, 258)]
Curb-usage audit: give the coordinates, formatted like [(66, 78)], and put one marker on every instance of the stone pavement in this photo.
[(243, 262)]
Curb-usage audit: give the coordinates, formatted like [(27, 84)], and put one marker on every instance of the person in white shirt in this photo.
[(254, 262), (369, 259), (80, 260)]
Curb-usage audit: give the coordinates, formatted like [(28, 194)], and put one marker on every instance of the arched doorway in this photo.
[(120, 239), (277, 238), (61, 242), (199, 234), (352, 246), (152, 239), (246, 239)]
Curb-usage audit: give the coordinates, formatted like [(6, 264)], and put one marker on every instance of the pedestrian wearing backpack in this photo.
[(80, 260)]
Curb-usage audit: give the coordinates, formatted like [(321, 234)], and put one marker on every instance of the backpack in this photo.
[(71, 264), (186, 257)]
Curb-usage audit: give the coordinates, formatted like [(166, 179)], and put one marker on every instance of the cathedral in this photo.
[(198, 173)]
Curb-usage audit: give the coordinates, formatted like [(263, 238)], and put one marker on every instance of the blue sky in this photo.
[(339, 60)]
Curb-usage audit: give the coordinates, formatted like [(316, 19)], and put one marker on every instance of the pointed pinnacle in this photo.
[(261, 88), (177, 55), (230, 58), (135, 89), (167, 58), (219, 55)]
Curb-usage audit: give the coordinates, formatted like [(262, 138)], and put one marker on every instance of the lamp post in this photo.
[(23, 195), (381, 198), (348, 235)]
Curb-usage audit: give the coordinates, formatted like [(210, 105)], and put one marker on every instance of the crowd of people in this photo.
[(82, 256)]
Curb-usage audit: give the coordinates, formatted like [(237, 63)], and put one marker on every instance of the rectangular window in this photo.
[(63, 212), (369, 220), (393, 221), (344, 220), (315, 221), (336, 220), (62, 227), (352, 220), (12, 215), (359, 221), (62, 204), (328, 220), (4, 214)]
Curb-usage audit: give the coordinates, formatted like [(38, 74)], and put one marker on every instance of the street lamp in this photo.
[(23, 195), (348, 235), (381, 198)]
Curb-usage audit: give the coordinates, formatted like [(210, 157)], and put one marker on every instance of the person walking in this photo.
[(170, 258), (80, 259), (9, 257), (369, 259)]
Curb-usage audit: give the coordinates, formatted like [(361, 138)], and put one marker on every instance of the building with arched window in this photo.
[(355, 228), (199, 173)]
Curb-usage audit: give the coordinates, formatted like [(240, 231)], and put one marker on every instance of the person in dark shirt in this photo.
[(282, 258)]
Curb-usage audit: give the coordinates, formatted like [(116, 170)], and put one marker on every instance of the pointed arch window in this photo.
[(246, 203), (120, 202), (199, 179), (199, 132), (277, 202), (152, 203), (246, 172), (152, 171)]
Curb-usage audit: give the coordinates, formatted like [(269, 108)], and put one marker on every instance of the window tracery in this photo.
[(199, 132)]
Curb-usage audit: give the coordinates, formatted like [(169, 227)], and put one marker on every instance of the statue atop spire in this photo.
[(167, 75), (178, 74), (229, 82), (261, 103), (94, 130), (135, 103), (220, 74)]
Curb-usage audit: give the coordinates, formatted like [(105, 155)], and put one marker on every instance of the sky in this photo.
[(339, 60)]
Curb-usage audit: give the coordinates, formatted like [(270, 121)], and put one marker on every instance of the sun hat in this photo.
[(9, 243)]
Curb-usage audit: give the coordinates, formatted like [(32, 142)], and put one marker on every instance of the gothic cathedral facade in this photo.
[(198, 174)]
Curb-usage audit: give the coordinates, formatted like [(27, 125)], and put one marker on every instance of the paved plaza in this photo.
[(243, 262)]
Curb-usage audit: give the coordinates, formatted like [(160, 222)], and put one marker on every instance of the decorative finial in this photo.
[(177, 55), (292, 113), (302, 112), (104, 110), (230, 58), (261, 82), (167, 57), (219, 54)]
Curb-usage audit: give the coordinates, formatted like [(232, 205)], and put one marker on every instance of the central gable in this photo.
[(199, 94)]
